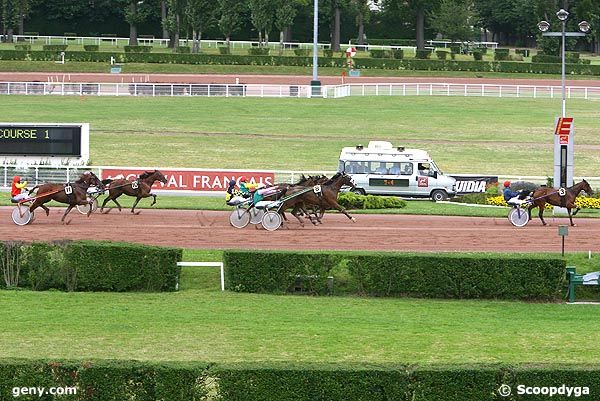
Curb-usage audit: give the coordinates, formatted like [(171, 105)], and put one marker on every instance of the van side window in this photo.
[(407, 168)]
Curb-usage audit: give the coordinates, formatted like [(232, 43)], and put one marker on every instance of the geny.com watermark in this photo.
[(42, 391), (505, 390)]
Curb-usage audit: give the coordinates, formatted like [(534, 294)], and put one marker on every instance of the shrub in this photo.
[(137, 49), (302, 52), (91, 48), (455, 48), (351, 200), (398, 274), (501, 54), (379, 53), (423, 54), (522, 52), (55, 48), (184, 49), (544, 58), (224, 50), (477, 55), (23, 46), (441, 54), (398, 54), (328, 53), (259, 51)]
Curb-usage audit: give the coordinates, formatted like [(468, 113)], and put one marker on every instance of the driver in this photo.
[(512, 197), (16, 191)]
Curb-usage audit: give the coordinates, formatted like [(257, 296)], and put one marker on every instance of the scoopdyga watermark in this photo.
[(570, 391)]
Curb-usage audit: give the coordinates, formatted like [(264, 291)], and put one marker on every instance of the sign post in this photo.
[(563, 231)]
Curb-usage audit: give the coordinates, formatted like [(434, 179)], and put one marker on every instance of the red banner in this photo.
[(193, 180)]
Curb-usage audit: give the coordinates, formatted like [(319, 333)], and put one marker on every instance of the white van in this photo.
[(383, 169)]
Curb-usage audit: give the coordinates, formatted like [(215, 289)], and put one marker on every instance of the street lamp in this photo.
[(544, 26), (315, 83), (563, 138)]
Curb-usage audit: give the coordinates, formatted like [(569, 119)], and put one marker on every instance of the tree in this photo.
[(453, 20), (199, 15), (231, 17), (363, 13), (175, 9), (589, 10), (262, 15), (421, 8), (136, 12), (285, 13), (14, 13)]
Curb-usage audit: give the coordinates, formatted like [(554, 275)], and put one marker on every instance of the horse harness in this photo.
[(69, 191)]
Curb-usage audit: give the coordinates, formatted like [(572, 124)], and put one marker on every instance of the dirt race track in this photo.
[(211, 230)]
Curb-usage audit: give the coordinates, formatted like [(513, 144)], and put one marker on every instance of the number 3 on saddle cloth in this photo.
[(260, 194)]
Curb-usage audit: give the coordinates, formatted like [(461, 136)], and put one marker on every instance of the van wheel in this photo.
[(438, 195), (358, 191)]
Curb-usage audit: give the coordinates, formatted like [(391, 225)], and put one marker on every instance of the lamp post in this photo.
[(544, 26), (315, 83), (563, 138)]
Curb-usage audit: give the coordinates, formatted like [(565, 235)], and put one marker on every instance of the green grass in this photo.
[(463, 135), (231, 327)]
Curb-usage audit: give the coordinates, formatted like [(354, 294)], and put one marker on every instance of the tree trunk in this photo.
[(133, 40), (163, 18), (260, 43), (21, 24), (266, 38), (288, 34), (227, 39), (194, 41), (281, 37), (176, 33), (420, 28), (361, 30), (9, 35), (335, 37)]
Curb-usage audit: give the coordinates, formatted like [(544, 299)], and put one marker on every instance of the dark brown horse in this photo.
[(140, 188), (326, 199), (553, 196), (72, 194)]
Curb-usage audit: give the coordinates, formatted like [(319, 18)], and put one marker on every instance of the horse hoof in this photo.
[(353, 220), (66, 223), (137, 213)]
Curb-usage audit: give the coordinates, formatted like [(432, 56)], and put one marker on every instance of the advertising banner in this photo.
[(193, 180), (467, 184)]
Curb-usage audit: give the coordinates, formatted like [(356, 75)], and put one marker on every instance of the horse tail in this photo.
[(107, 181)]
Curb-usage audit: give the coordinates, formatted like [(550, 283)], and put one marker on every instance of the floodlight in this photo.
[(543, 26), (584, 26), (562, 14)]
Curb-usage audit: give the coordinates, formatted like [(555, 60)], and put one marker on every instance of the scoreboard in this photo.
[(40, 140)]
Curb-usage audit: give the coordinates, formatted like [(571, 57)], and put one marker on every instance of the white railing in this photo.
[(123, 41), (299, 91), (41, 174), (447, 43)]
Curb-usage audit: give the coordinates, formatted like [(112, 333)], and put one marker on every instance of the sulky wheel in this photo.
[(21, 216), (83, 209), (271, 221), (256, 215), (239, 218), (518, 217)]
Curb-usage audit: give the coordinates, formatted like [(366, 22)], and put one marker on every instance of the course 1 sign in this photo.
[(466, 184), (35, 143), (193, 180)]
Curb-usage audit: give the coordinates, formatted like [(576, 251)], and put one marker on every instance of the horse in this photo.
[(139, 188), (327, 199), (72, 194), (541, 196)]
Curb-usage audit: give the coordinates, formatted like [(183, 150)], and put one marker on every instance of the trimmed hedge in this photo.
[(397, 274), (265, 381), (91, 48), (55, 48), (259, 51), (338, 62), (137, 49), (23, 46), (97, 266)]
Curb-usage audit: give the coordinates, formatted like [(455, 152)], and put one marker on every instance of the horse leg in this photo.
[(571, 217), (295, 213), (134, 205), (45, 209), (154, 200), (65, 215), (104, 204), (541, 213), (576, 211)]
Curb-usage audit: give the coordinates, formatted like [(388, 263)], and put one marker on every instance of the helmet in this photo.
[(16, 178), (506, 184), (243, 178)]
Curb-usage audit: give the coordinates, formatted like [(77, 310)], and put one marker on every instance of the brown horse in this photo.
[(327, 199), (139, 188), (72, 194), (553, 196)]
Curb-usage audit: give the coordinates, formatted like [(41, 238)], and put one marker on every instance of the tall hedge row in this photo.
[(398, 274), (338, 62), (181, 381), (93, 266)]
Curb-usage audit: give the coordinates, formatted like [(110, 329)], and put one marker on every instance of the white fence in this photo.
[(303, 91), (41, 174)]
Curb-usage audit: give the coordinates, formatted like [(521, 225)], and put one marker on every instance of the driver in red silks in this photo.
[(16, 193)]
